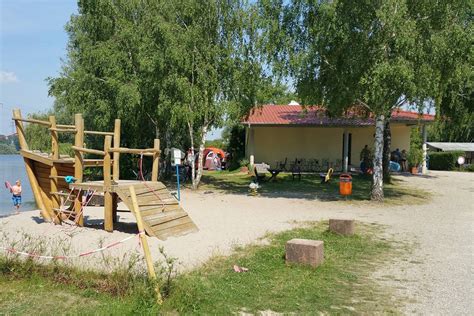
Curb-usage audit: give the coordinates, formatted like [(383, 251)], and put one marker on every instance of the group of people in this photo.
[(397, 156), (400, 157)]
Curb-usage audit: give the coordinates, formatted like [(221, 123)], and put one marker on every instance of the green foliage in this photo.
[(7, 149), (168, 69), (415, 154), (468, 168), (236, 145), (217, 143), (213, 288), (377, 54), (444, 160), (271, 284)]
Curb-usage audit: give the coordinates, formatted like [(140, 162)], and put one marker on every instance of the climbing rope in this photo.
[(84, 254)]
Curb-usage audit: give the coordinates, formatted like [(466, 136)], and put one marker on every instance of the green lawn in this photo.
[(341, 285), (310, 187)]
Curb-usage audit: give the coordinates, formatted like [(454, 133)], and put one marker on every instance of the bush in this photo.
[(468, 168), (415, 155), (446, 160), (236, 146)]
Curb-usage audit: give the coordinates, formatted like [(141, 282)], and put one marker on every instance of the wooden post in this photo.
[(54, 171), (29, 168), (47, 215), (144, 241), (156, 160), (20, 130), (116, 165), (78, 165), (345, 162), (108, 199), (54, 138)]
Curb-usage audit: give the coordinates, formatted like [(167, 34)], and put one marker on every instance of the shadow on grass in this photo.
[(309, 187)]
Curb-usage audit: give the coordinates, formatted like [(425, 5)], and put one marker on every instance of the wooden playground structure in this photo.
[(48, 174)]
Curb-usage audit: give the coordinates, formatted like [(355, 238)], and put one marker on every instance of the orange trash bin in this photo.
[(345, 184)]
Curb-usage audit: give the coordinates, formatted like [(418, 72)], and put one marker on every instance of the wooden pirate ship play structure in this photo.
[(56, 179)]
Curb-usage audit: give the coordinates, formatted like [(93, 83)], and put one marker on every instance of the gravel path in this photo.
[(437, 277)]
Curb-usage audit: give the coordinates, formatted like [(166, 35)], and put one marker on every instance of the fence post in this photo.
[(78, 166), (144, 241), (156, 160), (108, 199)]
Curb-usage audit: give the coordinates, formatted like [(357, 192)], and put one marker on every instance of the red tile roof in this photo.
[(297, 115)]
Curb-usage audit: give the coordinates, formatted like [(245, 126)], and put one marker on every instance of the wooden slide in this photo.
[(162, 215)]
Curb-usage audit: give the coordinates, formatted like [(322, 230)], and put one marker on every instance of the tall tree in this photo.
[(342, 53), (172, 67)]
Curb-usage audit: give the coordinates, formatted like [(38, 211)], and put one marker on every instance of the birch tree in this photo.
[(345, 53)]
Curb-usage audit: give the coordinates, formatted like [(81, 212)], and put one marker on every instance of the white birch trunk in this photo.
[(193, 163), (200, 156), (377, 185)]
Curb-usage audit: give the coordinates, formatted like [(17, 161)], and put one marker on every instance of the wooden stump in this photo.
[(305, 251), (342, 226)]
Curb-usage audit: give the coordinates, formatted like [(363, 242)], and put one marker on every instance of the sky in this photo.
[(32, 44)]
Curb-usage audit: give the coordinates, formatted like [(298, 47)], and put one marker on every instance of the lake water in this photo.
[(12, 168)]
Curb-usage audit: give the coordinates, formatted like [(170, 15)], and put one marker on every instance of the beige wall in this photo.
[(272, 144)]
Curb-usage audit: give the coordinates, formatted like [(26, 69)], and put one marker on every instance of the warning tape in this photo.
[(84, 254)]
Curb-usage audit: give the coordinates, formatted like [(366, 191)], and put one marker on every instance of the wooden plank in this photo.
[(161, 192), (165, 216), (89, 151), (167, 208), (155, 186), (175, 231), (169, 219), (99, 133), (36, 157), (35, 121), (159, 226)]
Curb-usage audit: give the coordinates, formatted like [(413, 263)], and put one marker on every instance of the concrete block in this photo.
[(305, 251), (342, 226)]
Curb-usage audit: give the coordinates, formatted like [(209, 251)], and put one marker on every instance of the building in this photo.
[(279, 133), (467, 148)]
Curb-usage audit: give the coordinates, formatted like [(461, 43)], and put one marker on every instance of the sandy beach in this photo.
[(438, 275)]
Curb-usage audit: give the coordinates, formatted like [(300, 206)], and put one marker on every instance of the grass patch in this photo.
[(343, 284), (310, 187)]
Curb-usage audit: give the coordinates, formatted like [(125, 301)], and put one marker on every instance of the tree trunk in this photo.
[(387, 142), (377, 184), (200, 156), (193, 163)]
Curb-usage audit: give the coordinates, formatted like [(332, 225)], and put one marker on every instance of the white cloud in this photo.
[(7, 77)]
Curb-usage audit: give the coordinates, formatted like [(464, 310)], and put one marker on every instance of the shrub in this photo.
[(445, 160), (415, 156), (468, 168)]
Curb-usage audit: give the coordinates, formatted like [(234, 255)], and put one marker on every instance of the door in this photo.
[(349, 153)]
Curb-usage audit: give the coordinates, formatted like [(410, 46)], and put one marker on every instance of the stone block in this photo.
[(342, 226), (305, 251)]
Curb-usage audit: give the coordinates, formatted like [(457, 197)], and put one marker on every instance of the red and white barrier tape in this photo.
[(84, 254)]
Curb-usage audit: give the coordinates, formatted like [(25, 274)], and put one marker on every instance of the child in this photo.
[(16, 198)]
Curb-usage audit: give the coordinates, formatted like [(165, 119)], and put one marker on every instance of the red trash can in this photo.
[(345, 184)]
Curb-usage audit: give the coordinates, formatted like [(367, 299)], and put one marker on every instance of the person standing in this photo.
[(403, 160), (16, 198)]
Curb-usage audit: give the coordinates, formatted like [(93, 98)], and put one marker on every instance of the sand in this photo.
[(437, 278)]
